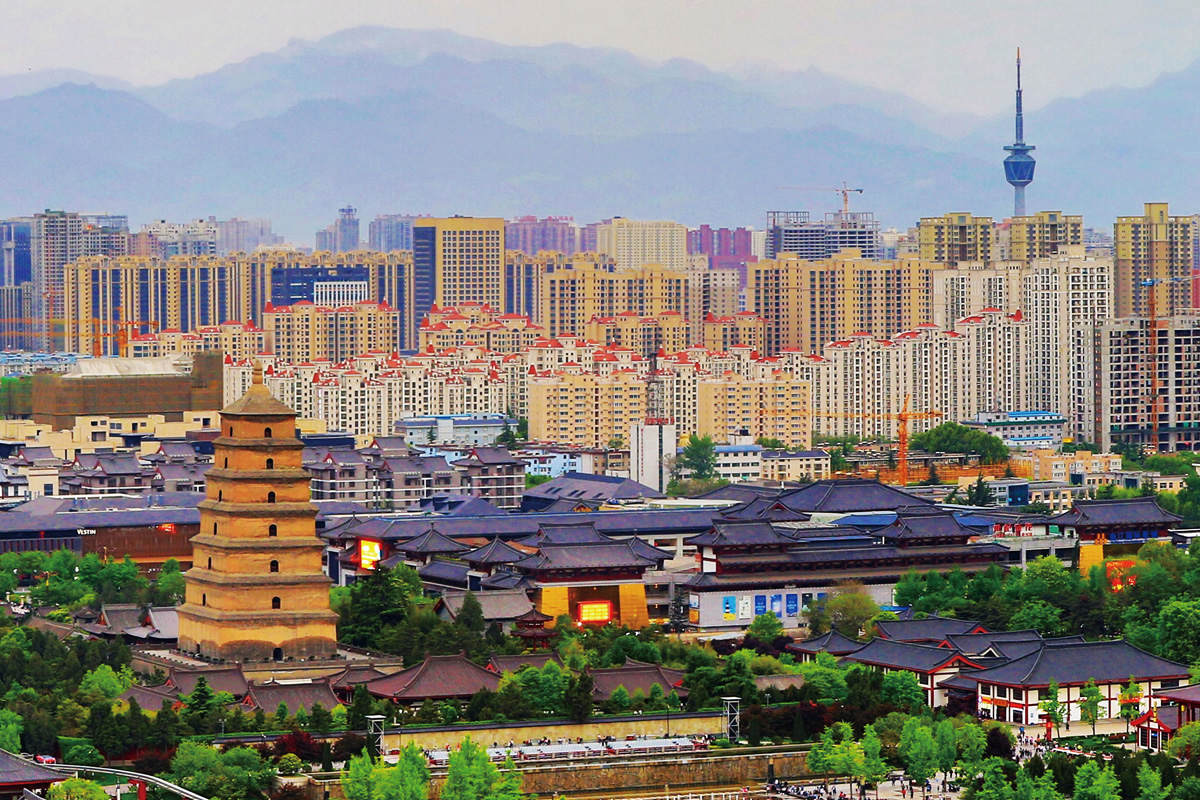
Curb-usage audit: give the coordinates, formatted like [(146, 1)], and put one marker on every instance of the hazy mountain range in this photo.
[(431, 121)]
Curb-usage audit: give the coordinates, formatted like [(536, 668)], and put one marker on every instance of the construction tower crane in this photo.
[(903, 417), (844, 190), (1155, 400)]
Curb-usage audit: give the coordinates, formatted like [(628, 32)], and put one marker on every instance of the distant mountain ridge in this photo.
[(430, 120)]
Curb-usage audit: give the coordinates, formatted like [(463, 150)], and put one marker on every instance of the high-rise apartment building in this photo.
[(860, 384), (809, 303), (794, 232), (346, 229), (773, 406), (187, 293), (530, 235), (1061, 296), (646, 336), (342, 235), (15, 255), (638, 243), (166, 239), (569, 296), (1123, 383), (244, 235), (458, 260), (1153, 247), (724, 249), (306, 332), (957, 237), (58, 238), (388, 232), (1040, 235)]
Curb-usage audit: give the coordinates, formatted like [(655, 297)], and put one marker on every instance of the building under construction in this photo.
[(116, 387)]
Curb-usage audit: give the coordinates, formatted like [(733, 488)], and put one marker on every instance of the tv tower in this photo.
[(1019, 166)]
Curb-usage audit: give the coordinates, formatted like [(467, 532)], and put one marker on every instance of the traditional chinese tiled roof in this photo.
[(905, 655), (494, 552), (1134, 511), (588, 555), (437, 677), (931, 629), (18, 773), (582, 486), (940, 526), (502, 664), (223, 679), (295, 694), (741, 534), (634, 675), (832, 642), (1078, 662), (828, 496), (431, 542), (500, 605)]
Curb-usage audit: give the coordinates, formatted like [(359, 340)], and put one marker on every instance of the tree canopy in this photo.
[(950, 437)]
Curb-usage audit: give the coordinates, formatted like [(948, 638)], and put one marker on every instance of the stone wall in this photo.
[(653, 725), (694, 771)]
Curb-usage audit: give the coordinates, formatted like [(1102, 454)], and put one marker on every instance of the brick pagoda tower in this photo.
[(256, 591)]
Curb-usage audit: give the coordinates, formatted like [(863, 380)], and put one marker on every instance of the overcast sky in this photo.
[(937, 52)]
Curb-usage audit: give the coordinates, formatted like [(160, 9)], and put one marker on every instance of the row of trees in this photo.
[(470, 775), (66, 579), (1157, 608)]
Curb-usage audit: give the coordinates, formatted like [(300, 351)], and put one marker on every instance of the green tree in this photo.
[(770, 443), (1185, 744), (358, 781), (105, 683), (170, 584), (765, 628), (699, 457), (319, 719), (199, 705), (290, 764), (1052, 708), (237, 774), (978, 494), (972, 743), (1095, 783), (1179, 630), (901, 688), (874, 767), (360, 707), (848, 758), (995, 784), (950, 437), (1090, 699), (1130, 701), (578, 697), (947, 746), (850, 608), (83, 755), (921, 756), (1040, 616), (76, 789), (164, 732), (470, 616), (1150, 786), (619, 699), (470, 774), (11, 726), (509, 785)]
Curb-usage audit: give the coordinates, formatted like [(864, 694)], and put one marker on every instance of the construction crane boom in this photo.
[(903, 417), (844, 190)]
